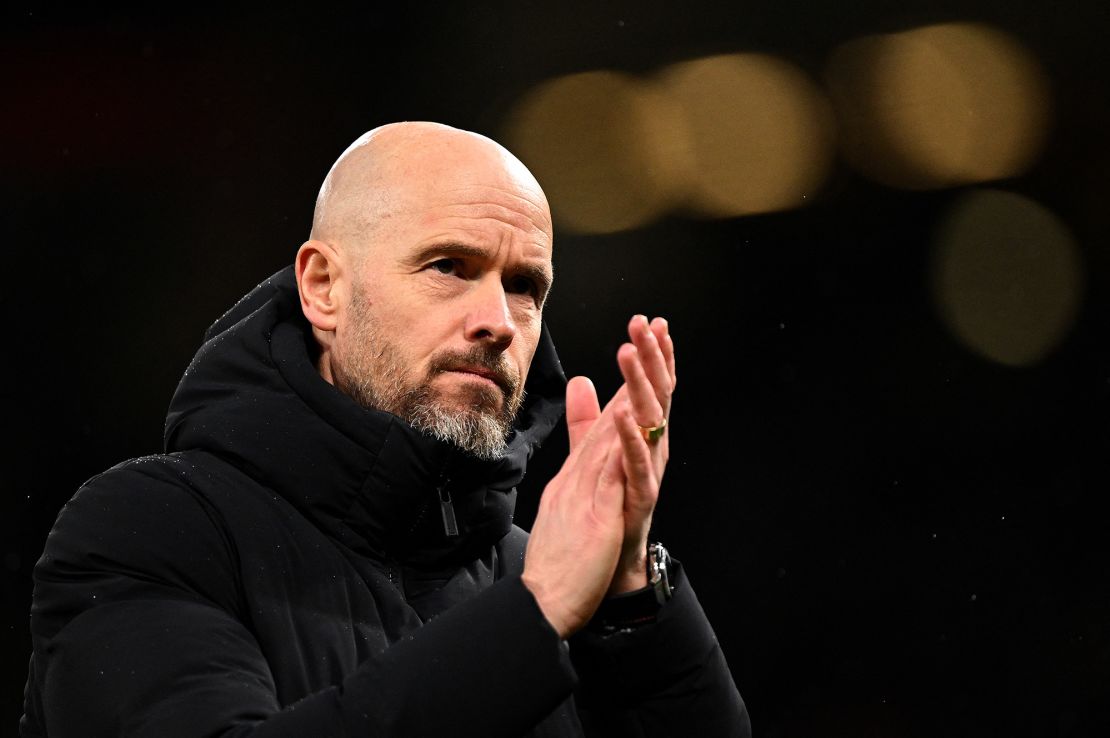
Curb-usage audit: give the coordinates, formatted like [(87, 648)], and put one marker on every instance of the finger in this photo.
[(582, 409), (653, 359), (590, 435), (609, 493), (587, 461), (590, 471), (639, 467), (646, 409), (662, 330)]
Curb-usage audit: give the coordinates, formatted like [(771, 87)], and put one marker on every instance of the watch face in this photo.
[(659, 571)]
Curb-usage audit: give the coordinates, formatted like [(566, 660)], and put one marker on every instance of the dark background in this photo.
[(892, 535)]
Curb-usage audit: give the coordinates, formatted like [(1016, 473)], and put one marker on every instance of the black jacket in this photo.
[(283, 570)]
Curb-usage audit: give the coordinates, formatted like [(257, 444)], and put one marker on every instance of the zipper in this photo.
[(447, 509)]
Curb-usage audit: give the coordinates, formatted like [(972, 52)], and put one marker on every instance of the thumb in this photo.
[(582, 409)]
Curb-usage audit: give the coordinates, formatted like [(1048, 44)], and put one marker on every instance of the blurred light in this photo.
[(724, 136), (1007, 276), (939, 106), (602, 146), (760, 133)]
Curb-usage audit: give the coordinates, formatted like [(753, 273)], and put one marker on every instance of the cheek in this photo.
[(422, 340), (527, 340)]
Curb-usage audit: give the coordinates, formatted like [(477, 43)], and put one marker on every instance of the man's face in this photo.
[(446, 300)]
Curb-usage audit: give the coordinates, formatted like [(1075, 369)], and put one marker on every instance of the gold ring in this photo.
[(654, 432)]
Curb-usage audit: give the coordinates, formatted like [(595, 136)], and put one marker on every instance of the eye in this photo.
[(444, 266), (523, 286)]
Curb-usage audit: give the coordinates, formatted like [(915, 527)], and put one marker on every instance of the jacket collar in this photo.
[(253, 397)]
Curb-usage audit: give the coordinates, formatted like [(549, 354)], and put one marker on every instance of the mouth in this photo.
[(480, 373), (476, 368)]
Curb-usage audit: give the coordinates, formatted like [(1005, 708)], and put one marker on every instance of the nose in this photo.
[(488, 319)]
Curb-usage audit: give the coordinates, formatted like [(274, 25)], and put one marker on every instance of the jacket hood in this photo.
[(253, 397)]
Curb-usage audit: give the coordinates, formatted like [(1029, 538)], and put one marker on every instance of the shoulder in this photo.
[(148, 503), (139, 530)]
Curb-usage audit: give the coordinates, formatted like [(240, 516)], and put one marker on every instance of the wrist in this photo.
[(632, 569), (630, 609), (551, 607), (629, 580)]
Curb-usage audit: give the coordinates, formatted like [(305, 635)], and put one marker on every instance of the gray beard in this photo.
[(373, 376)]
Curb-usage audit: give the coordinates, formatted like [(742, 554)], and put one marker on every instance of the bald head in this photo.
[(395, 166), (425, 278)]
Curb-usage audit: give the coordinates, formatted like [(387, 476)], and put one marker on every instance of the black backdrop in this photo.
[(893, 536)]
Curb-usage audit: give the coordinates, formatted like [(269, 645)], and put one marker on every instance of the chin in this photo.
[(471, 394), (488, 402)]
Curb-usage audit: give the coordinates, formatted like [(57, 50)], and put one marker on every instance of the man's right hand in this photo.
[(579, 527)]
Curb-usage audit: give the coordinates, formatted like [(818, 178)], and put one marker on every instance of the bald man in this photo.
[(326, 547)]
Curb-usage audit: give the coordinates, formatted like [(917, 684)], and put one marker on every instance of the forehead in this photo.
[(479, 207)]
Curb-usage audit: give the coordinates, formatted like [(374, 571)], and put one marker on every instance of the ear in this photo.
[(319, 271)]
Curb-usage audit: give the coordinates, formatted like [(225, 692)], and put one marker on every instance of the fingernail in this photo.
[(647, 323)]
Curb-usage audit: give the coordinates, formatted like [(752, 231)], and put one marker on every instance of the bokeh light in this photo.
[(601, 144), (722, 136), (760, 133), (1007, 277), (939, 106)]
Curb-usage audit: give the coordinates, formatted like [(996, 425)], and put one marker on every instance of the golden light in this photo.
[(939, 106), (760, 133), (606, 147), (1007, 277)]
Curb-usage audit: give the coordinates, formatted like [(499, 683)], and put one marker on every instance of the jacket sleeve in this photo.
[(663, 679), (138, 631)]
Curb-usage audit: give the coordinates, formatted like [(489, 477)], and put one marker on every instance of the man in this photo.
[(326, 547)]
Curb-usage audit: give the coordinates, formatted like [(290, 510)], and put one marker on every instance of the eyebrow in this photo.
[(538, 274)]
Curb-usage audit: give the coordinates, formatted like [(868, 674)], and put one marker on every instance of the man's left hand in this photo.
[(648, 367)]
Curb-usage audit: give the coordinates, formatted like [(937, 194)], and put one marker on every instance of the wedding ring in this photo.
[(654, 432)]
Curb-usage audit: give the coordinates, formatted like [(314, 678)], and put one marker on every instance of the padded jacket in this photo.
[(285, 568)]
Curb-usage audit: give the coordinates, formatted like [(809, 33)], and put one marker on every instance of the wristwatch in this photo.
[(659, 572), (628, 611)]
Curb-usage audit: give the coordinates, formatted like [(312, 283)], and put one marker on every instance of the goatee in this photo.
[(477, 417)]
